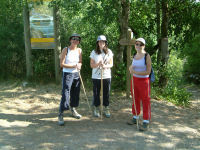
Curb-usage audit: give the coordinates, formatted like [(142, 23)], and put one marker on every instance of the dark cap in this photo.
[(75, 35)]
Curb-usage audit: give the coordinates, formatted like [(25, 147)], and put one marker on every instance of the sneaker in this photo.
[(132, 121), (75, 114), (60, 119), (107, 112), (144, 127), (96, 112)]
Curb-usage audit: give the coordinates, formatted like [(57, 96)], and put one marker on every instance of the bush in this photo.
[(12, 58), (119, 77), (43, 65), (174, 90)]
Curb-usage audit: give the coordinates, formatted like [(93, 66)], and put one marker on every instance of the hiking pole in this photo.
[(101, 100), (84, 90), (134, 101)]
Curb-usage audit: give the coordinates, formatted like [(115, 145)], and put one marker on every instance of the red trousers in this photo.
[(141, 93)]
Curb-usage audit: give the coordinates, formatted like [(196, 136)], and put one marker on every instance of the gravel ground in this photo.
[(28, 121)]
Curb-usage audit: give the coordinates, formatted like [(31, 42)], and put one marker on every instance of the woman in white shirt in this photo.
[(101, 58), (71, 62)]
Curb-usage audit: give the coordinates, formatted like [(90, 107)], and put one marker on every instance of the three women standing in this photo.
[(71, 62), (101, 62)]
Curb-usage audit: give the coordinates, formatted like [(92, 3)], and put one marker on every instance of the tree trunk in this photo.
[(158, 31), (29, 66), (123, 24), (57, 49), (164, 44)]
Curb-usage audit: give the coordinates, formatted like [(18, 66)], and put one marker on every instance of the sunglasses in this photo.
[(139, 45), (75, 38)]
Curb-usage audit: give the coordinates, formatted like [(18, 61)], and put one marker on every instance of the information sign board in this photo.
[(41, 25)]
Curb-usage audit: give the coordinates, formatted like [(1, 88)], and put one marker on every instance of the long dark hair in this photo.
[(105, 49)]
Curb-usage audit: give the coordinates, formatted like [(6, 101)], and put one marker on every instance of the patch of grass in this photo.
[(177, 95)]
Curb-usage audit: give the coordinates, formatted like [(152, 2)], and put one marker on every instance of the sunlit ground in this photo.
[(28, 120)]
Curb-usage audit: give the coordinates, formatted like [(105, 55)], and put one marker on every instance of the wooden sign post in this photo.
[(57, 48), (29, 66), (128, 41)]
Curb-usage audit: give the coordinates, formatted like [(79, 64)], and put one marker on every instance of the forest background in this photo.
[(176, 23)]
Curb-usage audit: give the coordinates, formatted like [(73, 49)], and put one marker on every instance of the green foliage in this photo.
[(143, 23), (177, 95), (174, 90), (43, 64), (119, 82), (12, 58), (184, 21), (192, 63)]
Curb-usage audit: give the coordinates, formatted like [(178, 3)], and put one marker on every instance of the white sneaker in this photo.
[(96, 112), (107, 112), (75, 114)]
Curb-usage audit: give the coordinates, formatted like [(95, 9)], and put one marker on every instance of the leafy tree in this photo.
[(11, 35), (192, 53)]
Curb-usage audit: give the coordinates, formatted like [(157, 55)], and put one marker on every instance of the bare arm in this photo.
[(80, 60), (80, 56)]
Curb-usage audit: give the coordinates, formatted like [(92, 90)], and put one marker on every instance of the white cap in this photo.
[(101, 38), (141, 40)]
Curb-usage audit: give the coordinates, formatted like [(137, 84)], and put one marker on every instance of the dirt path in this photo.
[(28, 121)]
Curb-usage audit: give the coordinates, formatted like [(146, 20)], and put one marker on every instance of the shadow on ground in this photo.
[(28, 120)]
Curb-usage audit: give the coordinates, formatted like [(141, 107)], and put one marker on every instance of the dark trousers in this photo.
[(70, 91), (96, 91)]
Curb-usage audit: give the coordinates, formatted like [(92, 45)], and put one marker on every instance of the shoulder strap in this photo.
[(67, 50)]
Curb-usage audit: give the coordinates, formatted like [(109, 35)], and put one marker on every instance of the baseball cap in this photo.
[(141, 40)]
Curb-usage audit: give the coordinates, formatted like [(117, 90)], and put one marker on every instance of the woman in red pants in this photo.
[(140, 69)]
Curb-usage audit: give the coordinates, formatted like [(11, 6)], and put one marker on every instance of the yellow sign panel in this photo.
[(42, 40)]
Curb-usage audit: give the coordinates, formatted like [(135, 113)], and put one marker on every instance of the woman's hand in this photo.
[(93, 64), (108, 64), (104, 66), (78, 66), (131, 69), (100, 64)]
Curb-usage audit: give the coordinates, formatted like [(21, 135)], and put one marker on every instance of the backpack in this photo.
[(151, 75)]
